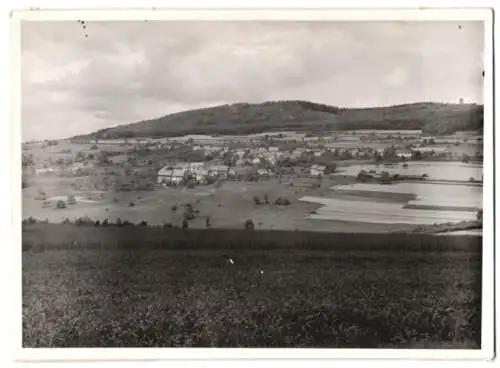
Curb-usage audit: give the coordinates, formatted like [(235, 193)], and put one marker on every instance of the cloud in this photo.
[(128, 71), (397, 78)]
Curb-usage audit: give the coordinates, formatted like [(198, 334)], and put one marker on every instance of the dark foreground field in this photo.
[(141, 287)]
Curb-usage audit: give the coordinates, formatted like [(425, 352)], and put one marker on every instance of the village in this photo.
[(285, 165)]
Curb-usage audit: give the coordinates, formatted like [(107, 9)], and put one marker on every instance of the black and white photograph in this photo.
[(256, 182)]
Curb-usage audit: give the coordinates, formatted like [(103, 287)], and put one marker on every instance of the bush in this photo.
[(84, 221), (118, 222), (266, 199), (207, 222), (105, 222), (472, 179), (174, 208), (185, 224), (60, 204), (280, 201), (131, 204), (256, 200), (188, 215), (144, 224), (249, 225), (97, 223), (71, 199)]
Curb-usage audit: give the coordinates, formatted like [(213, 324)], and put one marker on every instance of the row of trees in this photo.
[(87, 221)]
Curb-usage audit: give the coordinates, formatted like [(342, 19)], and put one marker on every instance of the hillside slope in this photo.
[(243, 118)]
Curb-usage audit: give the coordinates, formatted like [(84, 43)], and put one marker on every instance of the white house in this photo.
[(404, 154), (263, 172), (317, 170), (218, 170), (165, 176), (178, 176), (201, 176)]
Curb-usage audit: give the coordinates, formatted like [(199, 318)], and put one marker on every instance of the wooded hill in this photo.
[(244, 118)]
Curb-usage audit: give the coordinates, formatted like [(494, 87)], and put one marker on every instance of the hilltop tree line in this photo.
[(243, 118)]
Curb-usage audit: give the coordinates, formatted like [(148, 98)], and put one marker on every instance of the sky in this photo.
[(124, 72)]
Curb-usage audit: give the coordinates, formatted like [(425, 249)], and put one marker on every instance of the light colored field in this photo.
[(353, 142), (391, 212), (462, 232), (427, 194), (434, 170), (385, 213), (432, 148)]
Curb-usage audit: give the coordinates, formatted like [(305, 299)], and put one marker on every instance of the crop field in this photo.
[(400, 203), (435, 170), (155, 287), (435, 194), (66, 149), (385, 213)]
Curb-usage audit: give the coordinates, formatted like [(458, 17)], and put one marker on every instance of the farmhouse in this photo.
[(201, 175), (317, 170), (263, 172), (218, 170), (170, 175), (256, 161), (165, 175), (178, 176), (403, 154)]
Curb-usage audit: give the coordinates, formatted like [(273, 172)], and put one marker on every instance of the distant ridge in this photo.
[(244, 118)]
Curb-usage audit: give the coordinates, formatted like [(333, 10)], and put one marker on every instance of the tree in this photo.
[(80, 156), (71, 199), (330, 168), (27, 160), (266, 199), (256, 200), (207, 222), (479, 215), (465, 158), (185, 224), (417, 155), (249, 225), (280, 201), (61, 204), (103, 157)]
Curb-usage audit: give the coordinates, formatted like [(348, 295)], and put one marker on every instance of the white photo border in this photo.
[(148, 354)]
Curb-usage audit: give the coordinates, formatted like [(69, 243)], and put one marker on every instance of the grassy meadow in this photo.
[(169, 287)]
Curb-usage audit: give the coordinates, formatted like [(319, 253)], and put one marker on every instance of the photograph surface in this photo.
[(252, 183)]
